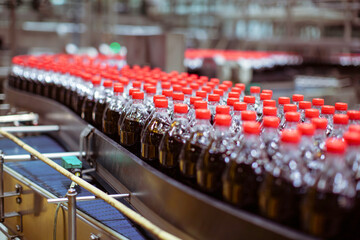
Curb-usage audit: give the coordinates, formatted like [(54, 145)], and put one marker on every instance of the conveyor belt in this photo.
[(52, 181)]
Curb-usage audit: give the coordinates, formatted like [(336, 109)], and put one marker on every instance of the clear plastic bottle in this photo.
[(200, 138), (353, 152), (327, 112), (230, 102), (213, 101), (236, 126), (287, 108), (269, 103), (270, 135), (191, 114), (251, 103), (174, 139), (244, 173), (317, 103), (155, 130), (225, 89), (148, 101), (201, 94), (320, 136), (102, 96), (220, 92), (330, 200), (341, 108), (263, 97), (187, 94), (281, 103), (89, 101), (303, 105), (354, 117), (284, 183), (341, 122), (255, 91), (212, 161), (268, 111), (79, 96), (292, 119), (132, 124), (297, 98), (242, 87), (112, 113), (310, 114), (168, 93)]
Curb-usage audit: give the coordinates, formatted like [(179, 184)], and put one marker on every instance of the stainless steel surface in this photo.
[(180, 209), (86, 198), (71, 197), (22, 157), (19, 118), (32, 129)]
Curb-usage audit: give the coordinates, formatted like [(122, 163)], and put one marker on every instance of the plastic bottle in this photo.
[(191, 114), (297, 98), (263, 97), (255, 91), (168, 93), (303, 105), (284, 183), (320, 136), (353, 152), (174, 139), (327, 204), (112, 113), (281, 103), (354, 128), (200, 138), (269, 103), (341, 108), (133, 123), (230, 103), (89, 101), (221, 94), (310, 114), (212, 161), (148, 99), (101, 97), (213, 101), (327, 112), (187, 94), (201, 94), (267, 111), (341, 122), (154, 131), (80, 95), (244, 173), (236, 125), (250, 100), (292, 119), (270, 135), (354, 117), (317, 103)]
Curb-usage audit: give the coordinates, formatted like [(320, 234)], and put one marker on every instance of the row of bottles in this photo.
[(293, 161)]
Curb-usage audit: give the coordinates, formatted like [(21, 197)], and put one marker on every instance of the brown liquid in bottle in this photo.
[(110, 123), (87, 109), (130, 131), (98, 112), (187, 162)]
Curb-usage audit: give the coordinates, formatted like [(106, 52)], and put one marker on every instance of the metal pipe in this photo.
[(22, 157), (32, 129), (19, 118), (87, 198), (71, 198)]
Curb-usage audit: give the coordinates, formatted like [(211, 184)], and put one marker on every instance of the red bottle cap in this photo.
[(215, 80), (240, 106), (194, 99), (200, 105), (118, 88), (213, 98), (270, 111), (211, 84), (251, 127), (342, 119), (138, 95), (161, 103), (249, 99), (292, 116), (271, 122), (219, 92), (283, 100), (352, 138), (231, 101), (319, 123), (307, 129), (267, 91), (234, 95), (136, 84), (223, 87), (237, 90), (146, 85), (354, 128), (201, 94), (223, 120), (318, 101), (158, 97), (228, 83), (222, 109), (340, 106), (255, 89), (269, 103), (202, 114), (151, 89), (312, 113), (177, 88), (241, 86), (353, 114), (180, 108), (194, 86), (290, 136), (96, 80), (178, 96), (304, 105), (107, 83), (165, 85), (297, 97), (207, 89), (334, 145), (248, 115), (187, 90), (290, 108), (265, 96), (167, 92), (327, 109), (132, 90)]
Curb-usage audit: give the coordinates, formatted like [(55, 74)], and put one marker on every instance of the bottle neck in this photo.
[(290, 151)]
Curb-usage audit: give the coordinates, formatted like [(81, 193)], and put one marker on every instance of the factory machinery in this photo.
[(36, 202)]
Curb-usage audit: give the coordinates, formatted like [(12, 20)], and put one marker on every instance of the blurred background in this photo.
[(304, 46)]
